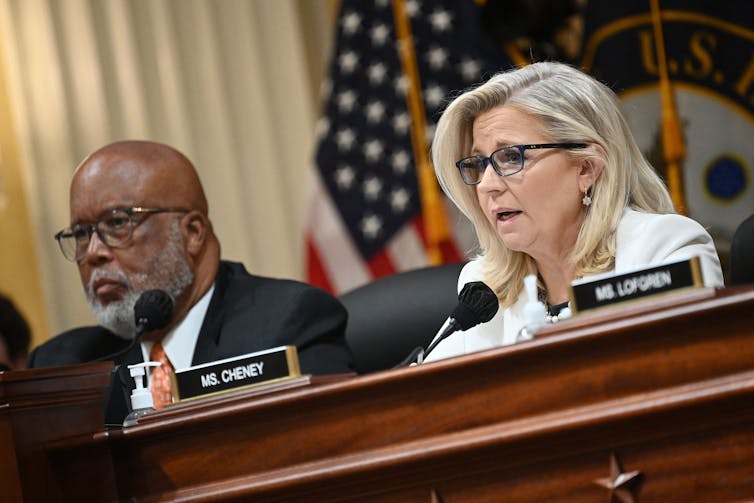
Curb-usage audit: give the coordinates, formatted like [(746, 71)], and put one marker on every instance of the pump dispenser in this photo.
[(141, 397), (534, 310)]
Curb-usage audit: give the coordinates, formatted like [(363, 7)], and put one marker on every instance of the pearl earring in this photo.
[(586, 200)]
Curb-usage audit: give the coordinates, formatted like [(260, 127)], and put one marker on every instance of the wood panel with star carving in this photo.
[(650, 402)]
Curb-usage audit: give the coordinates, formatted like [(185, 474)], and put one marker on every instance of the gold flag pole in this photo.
[(674, 148), (515, 54), (433, 209)]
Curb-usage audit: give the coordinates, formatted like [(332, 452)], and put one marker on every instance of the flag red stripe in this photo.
[(315, 271), (450, 252), (380, 264)]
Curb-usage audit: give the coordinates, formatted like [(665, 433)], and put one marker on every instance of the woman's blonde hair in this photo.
[(572, 107)]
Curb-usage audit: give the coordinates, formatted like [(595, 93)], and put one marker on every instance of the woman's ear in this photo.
[(591, 167), (194, 227)]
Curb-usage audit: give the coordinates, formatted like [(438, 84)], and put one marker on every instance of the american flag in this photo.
[(365, 220)]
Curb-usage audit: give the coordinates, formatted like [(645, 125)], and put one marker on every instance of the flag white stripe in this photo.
[(406, 250), (342, 262)]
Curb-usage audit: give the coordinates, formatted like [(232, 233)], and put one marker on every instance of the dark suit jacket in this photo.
[(247, 313)]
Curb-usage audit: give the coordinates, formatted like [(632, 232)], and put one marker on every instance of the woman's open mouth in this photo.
[(507, 215)]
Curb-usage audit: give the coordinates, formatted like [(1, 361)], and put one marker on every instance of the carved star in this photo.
[(624, 486)]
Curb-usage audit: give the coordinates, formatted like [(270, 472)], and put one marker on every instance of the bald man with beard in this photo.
[(139, 221)]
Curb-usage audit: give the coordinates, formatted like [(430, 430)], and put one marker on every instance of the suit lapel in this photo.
[(209, 335)]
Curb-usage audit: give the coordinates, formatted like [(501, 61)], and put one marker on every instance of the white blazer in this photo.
[(643, 239)]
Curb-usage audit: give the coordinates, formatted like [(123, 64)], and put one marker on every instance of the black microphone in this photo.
[(477, 303), (152, 311)]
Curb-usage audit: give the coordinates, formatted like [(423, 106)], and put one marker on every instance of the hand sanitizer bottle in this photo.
[(141, 397), (534, 310)]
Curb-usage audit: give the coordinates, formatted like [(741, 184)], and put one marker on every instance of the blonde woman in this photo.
[(543, 163)]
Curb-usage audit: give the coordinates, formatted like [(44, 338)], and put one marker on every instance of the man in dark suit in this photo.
[(139, 221)]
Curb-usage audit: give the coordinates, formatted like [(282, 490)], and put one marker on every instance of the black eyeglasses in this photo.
[(114, 227), (506, 161)]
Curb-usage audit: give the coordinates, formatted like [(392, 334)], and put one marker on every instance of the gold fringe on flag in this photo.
[(433, 209), (674, 148)]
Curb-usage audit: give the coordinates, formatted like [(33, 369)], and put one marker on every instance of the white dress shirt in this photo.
[(180, 342)]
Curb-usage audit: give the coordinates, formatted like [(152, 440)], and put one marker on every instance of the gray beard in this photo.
[(169, 271)]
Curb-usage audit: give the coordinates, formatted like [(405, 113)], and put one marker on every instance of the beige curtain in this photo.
[(232, 83)]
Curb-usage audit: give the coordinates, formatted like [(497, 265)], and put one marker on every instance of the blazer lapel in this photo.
[(209, 335)]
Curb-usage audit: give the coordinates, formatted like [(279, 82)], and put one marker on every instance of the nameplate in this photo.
[(610, 289), (252, 369)]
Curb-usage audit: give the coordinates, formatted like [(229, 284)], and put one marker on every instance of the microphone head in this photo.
[(477, 303), (152, 311)]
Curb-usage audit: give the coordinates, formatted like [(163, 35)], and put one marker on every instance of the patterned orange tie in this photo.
[(160, 382)]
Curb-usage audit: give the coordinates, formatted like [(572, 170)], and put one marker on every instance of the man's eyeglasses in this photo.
[(115, 228), (506, 161)]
